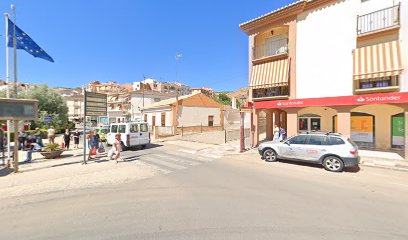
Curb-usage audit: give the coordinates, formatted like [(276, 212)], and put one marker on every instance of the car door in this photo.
[(290, 148), (315, 147), (123, 135), (112, 132), (144, 137), (134, 134)]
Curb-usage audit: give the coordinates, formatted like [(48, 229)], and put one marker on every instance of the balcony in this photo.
[(377, 85), (279, 92), (378, 21), (270, 49)]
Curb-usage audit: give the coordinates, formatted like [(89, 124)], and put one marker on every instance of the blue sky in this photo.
[(123, 40)]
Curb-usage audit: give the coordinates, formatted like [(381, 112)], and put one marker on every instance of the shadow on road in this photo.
[(6, 171), (354, 169)]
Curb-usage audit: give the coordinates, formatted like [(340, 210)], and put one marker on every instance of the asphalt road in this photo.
[(229, 198)]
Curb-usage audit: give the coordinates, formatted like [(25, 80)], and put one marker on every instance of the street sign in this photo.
[(47, 119), (18, 109), (96, 104)]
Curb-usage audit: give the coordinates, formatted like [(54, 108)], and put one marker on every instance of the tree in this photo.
[(50, 104)]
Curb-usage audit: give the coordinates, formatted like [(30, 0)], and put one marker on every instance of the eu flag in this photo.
[(26, 43)]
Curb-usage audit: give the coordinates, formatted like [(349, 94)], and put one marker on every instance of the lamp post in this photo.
[(178, 57)]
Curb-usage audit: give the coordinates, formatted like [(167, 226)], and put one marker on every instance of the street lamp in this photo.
[(178, 57)]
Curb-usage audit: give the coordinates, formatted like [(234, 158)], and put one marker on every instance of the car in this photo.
[(133, 134), (331, 150)]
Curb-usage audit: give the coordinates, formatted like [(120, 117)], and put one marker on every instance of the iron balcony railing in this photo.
[(271, 48), (266, 92), (381, 19)]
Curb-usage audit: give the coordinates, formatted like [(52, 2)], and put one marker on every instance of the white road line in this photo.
[(178, 160), (187, 151), (152, 159)]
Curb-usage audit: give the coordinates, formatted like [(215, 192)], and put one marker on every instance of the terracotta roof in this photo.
[(168, 101)]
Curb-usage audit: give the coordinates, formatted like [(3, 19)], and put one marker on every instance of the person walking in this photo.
[(38, 137), (282, 134), (51, 135), (22, 136), (93, 143), (76, 138), (116, 148), (67, 139)]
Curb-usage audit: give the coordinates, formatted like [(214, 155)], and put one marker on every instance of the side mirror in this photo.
[(287, 142)]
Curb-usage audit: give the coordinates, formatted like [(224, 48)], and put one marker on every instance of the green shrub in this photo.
[(51, 147)]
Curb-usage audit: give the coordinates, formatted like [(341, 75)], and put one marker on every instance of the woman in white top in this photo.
[(276, 133), (116, 148)]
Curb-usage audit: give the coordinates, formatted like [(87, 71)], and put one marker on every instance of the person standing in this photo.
[(38, 137), (22, 136), (51, 135), (76, 138), (276, 131), (93, 143), (282, 134), (67, 139)]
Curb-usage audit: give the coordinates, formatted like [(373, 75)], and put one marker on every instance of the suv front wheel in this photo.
[(333, 164), (270, 155)]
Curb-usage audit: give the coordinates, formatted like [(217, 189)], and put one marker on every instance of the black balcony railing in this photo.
[(381, 19), (279, 91), (271, 48)]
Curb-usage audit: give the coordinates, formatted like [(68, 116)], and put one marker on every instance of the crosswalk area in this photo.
[(167, 161)]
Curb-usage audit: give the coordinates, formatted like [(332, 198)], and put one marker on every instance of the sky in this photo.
[(126, 40)]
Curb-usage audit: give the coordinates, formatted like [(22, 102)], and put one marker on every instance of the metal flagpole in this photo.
[(15, 89), (84, 122), (6, 17)]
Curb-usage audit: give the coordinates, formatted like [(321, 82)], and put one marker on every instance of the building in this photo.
[(332, 65), (140, 99), (207, 91), (194, 110), (163, 87), (75, 104)]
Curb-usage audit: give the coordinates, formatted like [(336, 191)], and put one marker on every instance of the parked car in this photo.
[(332, 150), (133, 134)]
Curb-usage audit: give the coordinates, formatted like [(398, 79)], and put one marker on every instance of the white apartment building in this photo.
[(163, 87), (332, 65), (141, 99)]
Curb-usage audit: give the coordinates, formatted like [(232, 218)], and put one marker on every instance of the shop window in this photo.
[(363, 129), (398, 131), (163, 119), (210, 121)]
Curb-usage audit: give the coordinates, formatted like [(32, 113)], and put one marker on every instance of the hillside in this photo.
[(237, 93)]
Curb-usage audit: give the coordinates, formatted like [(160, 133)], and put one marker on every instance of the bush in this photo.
[(51, 147)]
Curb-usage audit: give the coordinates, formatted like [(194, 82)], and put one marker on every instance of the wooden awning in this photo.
[(381, 60), (270, 74)]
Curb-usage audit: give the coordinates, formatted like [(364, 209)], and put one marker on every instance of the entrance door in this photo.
[(309, 123), (397, 130)]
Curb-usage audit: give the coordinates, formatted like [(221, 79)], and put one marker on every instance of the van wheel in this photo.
[(333, 164), (270, 155)]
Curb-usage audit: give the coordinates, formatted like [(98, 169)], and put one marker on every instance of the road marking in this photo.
[(187, 151), (178, 159), (153, 160)]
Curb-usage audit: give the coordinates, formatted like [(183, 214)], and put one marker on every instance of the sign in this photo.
[(398, 97), (18, 109), (362, 129), (398, 130), (96, 104), (47, 119)]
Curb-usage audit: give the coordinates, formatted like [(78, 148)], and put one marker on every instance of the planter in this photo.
[(54, 154)]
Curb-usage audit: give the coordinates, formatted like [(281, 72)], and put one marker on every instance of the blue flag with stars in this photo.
[(26, 43)]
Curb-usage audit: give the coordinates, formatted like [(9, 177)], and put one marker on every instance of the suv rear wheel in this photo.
[(333, 164), (270, 155)]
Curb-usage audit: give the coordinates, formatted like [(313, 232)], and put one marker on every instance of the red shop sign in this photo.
[(399, 97)]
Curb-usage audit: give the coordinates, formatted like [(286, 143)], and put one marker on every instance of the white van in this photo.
[(133, 134)]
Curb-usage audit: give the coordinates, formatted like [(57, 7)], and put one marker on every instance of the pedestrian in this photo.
[(31, 138), (76, 138), (51, 135), (93, 143), (22, 135), (38, 137), (30, 148), (282, 134), (116, 148), (276, 131), (67, 139)]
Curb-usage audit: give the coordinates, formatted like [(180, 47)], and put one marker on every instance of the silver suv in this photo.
[(332, 150)]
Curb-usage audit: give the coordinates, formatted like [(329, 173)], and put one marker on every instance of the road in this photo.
[(236, 197)]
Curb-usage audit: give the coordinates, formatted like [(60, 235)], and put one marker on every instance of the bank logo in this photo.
[(279, 104), (360, 99)]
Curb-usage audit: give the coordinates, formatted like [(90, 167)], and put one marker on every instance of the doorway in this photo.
[(309, 123)]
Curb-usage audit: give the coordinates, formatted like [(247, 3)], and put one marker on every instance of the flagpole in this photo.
[(15, 89), (6, 17)]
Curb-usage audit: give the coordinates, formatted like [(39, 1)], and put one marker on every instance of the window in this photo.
[(210, 121), (122, 128), (336, 141), (114, 129), (163, 119), (134, 128), (143, 127), (145, 117), (300, 139), (318, 140), (378, 82)]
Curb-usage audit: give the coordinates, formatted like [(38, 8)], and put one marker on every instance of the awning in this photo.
[(381, 60), (270, 74)]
